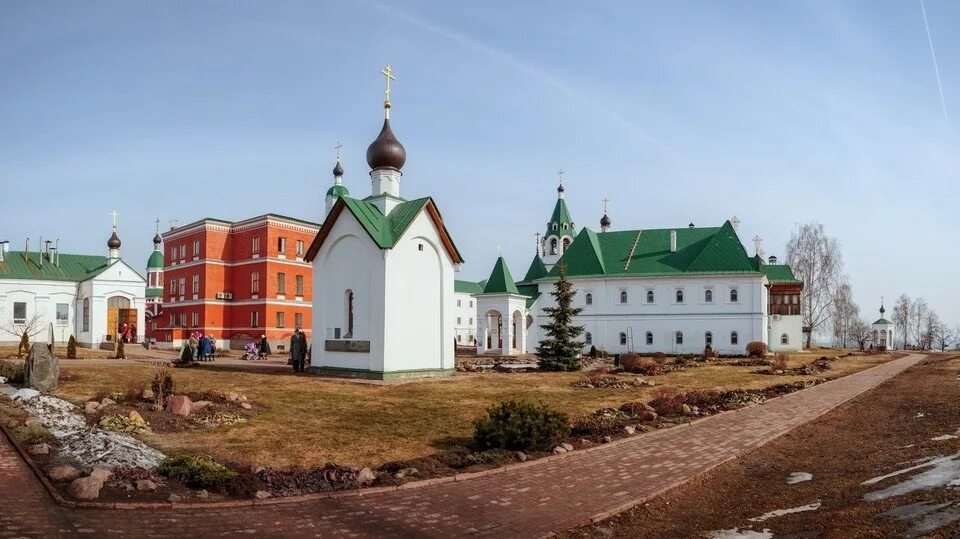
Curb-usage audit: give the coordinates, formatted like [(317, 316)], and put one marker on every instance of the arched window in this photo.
[(679, 296), (708, 338), (734, 337), (348, 297), (649, 296), (86, 314), (588, 299), (554, 226), (566, 243), (553, 245), (623, 339), (784, 339), (623, 296), (734, 295), (587, 338), (649, 338), (708, 296), (678, 338)]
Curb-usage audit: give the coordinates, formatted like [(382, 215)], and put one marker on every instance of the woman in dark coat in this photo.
[(298, 350), (264, 347)]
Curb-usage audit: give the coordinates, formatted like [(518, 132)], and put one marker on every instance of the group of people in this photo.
[(202, 347), (299, 351), (128, 333)]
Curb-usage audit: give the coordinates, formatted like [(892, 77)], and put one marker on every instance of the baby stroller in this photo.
[(251, 351)]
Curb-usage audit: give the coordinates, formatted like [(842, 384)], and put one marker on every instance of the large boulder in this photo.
[(63, 473), (179, 404), (86, 488), (42, 369)]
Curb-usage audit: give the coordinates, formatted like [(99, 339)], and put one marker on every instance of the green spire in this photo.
[(560, 217), (500, 281), (155, 261), (536, 270)]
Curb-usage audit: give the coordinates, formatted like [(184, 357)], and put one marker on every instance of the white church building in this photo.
[(89, 297), (383, 277)]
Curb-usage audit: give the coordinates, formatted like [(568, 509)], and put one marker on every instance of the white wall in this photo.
[(607, 317), (117, 280), (792, 326), (41, 298), (466, 312)]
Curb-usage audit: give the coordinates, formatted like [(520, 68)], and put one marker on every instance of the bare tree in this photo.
[(919, 314), (29, 327), (860, 332), (943, 336), (901, 317), (816, 260), (844, 312)]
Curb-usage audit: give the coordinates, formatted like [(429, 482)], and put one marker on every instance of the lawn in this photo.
[(307, 421)]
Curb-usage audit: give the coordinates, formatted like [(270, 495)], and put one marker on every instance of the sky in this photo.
[(776, 112)]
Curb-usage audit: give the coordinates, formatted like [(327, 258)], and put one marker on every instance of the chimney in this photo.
[(56, 259), (46, 249), (26, 250), (673, 241), (772, 259), (40, 251), (4, 246)]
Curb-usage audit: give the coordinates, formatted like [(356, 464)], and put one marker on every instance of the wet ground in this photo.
[(886, 464)]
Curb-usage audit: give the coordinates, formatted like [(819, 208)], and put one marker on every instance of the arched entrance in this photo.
[(494, 329), (121, 320)]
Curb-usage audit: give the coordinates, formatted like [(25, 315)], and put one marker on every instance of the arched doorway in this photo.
[(494, 329), (121, 320)]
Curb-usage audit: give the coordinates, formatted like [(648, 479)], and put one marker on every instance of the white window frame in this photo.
[(708, 295), (648, 338), (678, 338), (588, 298), (650, 296), (255, 245), (679, 292), (66, 313), (785, 339), (708, 338), (734, 291), (623, 338), (623, 297), (21, 319), (734, 338)]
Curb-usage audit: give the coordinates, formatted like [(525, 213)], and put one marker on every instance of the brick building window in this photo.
[(254, 319), (281, 319), (299, 284), (173, 286), (196, 283), (281, 283), (255, 245), (194, 320), (196, 247), (255, 283), (300, 248), (183, 320), (298, 320), (182, 285), (282, 245)]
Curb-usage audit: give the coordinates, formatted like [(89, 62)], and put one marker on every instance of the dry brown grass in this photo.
[(10, 352), (308, 421)]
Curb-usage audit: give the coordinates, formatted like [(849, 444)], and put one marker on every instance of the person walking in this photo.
[(205, 348), (298, 350), (213, 348), (264, 347), (194, 346)]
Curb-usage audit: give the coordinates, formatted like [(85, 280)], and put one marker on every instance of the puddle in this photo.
[(942, 471), (925, 516), (799, 477), (780, 512), (737, 533)]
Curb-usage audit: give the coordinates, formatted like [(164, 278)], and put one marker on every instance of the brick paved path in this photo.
[(531, 500)]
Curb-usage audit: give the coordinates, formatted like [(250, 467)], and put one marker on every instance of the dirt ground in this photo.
[(901, 426)]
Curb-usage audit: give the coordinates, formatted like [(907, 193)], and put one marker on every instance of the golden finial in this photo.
[(388, 73)]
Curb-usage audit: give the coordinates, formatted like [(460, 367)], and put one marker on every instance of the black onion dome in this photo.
[(338, 170), (386, 151), (157, 240), (560, 188), (114, 241), (605, 220)]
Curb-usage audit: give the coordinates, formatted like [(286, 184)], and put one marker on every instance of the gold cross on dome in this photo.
[(114, 214), (388, 73), (158, 225), (605, 201), (560, 173), (337, 148)]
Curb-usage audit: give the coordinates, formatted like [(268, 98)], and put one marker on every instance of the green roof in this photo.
[(468, 287), (386, 230), (531, 291), (75, 268), (153, 292), (703, 250), (778, 273), (500, 281), (338, 191), (560, 217), (155, 261), (536, 269), (883, 321)]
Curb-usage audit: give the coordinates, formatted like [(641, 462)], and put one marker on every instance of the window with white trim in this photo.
[(679, 295), (649, 338), (623, 297), (196, 283), (254, 319), (255, 245), (298, 281), (281, 319), (708, 338), (734, 295), (650, 296), (678, 337), (734, 337), (708, 295), (281, 283), (282, 245), (300, 248), (19, 312), (255, 283), (784, 339), (196, 247), (623, 339), (63, 312), (588, 299)]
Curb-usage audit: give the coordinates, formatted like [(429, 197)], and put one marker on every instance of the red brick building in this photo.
[(237, 281)]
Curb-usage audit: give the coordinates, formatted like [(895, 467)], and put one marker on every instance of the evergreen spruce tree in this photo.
[(72, 348), (560, 350)]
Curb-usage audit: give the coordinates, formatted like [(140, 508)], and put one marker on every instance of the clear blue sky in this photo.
[(778, 112)]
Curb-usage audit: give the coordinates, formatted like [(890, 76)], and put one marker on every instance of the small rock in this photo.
[(406, 472), (107, 402), (148, 395), (606, 440), (647, 415), (101, 473), (232, 396), (33, 421), (262, 495), (91, 407), (366, 477), (86, 488), (255, 470), (203, 494), (200, 405), (245, 405), (12, 424), (685, 408), (39, 449), (559, 450), (629, 430), (179, 405), (173, 498), (63, 473), (566, 446), (242, 398), (135, 417), (146, 485), (521, 456), (584, 441)]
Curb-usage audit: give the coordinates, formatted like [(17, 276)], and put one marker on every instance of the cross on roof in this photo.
[(337, 148), (114, 214), (605, 201), (388, 73), (158, 226), (560, 173), (757, 242)]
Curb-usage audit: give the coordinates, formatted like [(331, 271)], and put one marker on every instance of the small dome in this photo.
[(338, 170), (155, 261), (157, 240), (560, 188), (114, 241), (605, 220), (882, 310), (386, 151), (337, 191)]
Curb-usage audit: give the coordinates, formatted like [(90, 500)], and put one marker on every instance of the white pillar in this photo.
[(523, 334), (482, 335), (508, 335)]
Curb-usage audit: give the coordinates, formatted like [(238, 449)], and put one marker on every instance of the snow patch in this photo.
[(799, 477), (780, 512), (24, 394), (942, 437), (737, 533), (926, 516), (921, 414), (943, 471)]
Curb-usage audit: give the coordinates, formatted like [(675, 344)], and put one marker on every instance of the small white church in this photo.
[(89, 297), (383, 276)]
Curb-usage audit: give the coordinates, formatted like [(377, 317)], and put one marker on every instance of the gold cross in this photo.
[(114, 214), (337, 147), (388, 73), (560, 173), (605, 204), (158, 226)]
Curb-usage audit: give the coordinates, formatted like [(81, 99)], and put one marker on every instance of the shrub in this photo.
[(520, 425), (593, 352), (72, 348), (659, 357), (24, 345), (635, 364), (13, 372), (779, 362), (162, 384), (709, 352), (634, 408), (756, 349), (196, 472), (120, 354), (133, 390), (667, 401), (36, 434), (601, 422)]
